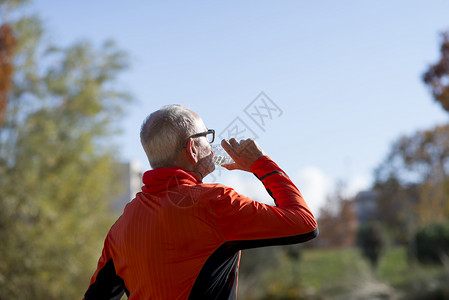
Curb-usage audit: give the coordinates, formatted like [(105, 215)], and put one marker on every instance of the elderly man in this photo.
[(181, 238)]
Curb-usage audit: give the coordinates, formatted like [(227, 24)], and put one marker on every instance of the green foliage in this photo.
[(371, 241), (320, 274), (293, 252), (412, 183), (253, 263), (332, 270), (344, 274), (57, 167), (432, 243), (256, 262), (417, 158)]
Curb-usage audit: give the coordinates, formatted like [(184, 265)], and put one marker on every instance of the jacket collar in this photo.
[(158, 180)]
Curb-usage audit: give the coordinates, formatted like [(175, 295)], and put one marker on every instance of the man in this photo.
[(181, 238)]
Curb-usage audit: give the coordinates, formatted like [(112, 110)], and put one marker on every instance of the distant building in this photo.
[(131, 176), (366, 206)]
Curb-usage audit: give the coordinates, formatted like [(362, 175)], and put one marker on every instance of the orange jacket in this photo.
[(181, 239)]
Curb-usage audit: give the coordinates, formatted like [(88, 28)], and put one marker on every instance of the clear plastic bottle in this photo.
[(221, 157)]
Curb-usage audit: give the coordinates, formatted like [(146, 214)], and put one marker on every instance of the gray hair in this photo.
[(163, 133)]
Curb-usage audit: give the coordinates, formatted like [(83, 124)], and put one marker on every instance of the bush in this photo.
[(432, 243), (371, 241)]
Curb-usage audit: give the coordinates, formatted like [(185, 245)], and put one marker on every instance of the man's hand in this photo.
[(244, 153)]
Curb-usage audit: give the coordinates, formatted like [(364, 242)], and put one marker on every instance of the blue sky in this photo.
[(344, 75)]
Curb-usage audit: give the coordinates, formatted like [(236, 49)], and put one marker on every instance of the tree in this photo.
[(57, 171), (254, 266), (396, 208), (7, 45), (371, 242), (414, 176), (436, 77), (412, 182), (432, 243), (337, 222)]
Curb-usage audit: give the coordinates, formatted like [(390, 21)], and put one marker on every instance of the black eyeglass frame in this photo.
[(205, 133)]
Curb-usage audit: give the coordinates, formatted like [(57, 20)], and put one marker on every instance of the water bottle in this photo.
[(221, 157)]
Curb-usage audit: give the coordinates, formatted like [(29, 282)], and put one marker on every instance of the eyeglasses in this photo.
[(210, 135)]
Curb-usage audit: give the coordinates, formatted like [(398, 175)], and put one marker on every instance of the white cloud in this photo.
[(314, 186), (356, 184)]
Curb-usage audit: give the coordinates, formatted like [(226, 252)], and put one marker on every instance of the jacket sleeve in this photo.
[(255, 224)]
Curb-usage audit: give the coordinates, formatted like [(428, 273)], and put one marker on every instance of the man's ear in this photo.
[(192, 150)]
